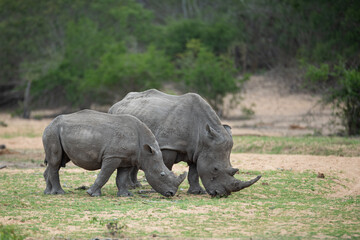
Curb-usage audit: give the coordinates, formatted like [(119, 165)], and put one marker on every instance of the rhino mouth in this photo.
[(217, 193), (169, 194)]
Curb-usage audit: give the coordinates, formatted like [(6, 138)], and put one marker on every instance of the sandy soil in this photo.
[(279, 111)]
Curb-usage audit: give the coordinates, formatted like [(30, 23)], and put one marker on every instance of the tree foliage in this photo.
[(207, 74), (78, 52)]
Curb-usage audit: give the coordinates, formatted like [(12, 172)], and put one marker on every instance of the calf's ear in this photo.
[(228, 129), (149, 149)]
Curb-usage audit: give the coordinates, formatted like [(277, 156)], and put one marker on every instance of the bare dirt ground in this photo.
[(277, 113)]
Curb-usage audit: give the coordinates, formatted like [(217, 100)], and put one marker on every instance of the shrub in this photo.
[(120, 73), (342, 89), (178, 33), (204, 73), (347, 99)]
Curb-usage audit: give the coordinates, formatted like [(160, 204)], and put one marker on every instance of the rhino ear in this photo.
[(228, 129), (210, 131), (149, 149)]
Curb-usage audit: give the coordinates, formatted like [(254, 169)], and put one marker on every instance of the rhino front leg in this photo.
[(123, 181), (193, 178), (133, 181), (169, 158), (107, 168)]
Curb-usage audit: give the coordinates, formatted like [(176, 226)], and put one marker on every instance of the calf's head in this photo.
[(157, 174), (213, 163)]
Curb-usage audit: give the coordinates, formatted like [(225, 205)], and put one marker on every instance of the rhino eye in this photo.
[(162, 174), (215, 169)]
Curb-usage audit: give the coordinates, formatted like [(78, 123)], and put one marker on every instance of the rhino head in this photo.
[(213, 163), (157, 174)]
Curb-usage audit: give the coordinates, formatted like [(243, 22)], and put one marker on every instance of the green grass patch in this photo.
[(283, 204), (30, 134), (10, 232), (309, 145)]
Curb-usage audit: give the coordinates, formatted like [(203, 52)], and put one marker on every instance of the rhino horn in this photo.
[(238, 185), (231, 171), (181, 178)]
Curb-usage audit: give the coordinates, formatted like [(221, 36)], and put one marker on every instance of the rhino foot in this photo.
[(138, 185), (124, 193), (196, 191), (94, 193), (134, 185), (55, 192), (47, 191)]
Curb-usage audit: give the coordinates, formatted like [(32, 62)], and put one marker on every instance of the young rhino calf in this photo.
[(94, 140)]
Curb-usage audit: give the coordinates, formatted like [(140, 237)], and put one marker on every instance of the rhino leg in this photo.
[(53, 156), (133, 181), (193, 178), (107, 168), (47, 180), (123, 181), (169, 157)]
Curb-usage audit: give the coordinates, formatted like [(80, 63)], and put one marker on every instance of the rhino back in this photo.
[(92, 136), (176, 121)]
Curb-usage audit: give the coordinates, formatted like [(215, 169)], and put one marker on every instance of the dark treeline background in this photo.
[(66, 52)]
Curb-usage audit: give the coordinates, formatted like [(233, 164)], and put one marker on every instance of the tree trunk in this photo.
[(27, 100)]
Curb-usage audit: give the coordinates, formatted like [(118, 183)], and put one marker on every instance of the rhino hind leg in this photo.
[(53, 156), (107, 168), (193, 178), (47, 180), (123, 181)]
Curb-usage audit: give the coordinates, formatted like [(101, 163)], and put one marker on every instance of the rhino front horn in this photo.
[(241, 185), (181, 178)]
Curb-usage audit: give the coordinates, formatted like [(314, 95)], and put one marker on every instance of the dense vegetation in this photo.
[(80, 52)]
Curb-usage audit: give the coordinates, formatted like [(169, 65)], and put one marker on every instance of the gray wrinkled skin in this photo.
[(187, 129), (94, 140)]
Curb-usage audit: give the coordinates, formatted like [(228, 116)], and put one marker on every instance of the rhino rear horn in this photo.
[(232, 171)]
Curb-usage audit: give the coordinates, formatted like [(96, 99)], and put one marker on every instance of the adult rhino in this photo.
[(94, 140), (187, 129)]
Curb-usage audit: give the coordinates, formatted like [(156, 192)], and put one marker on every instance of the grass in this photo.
[(308, 145), (283, 204), (30, 134)]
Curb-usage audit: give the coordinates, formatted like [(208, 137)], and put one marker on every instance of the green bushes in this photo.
[(84, 51), (347, 100), (207, 74), (119, 73), (343, 91), (216, 36)]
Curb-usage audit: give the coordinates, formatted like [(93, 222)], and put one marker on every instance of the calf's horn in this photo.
[(181, 178)]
